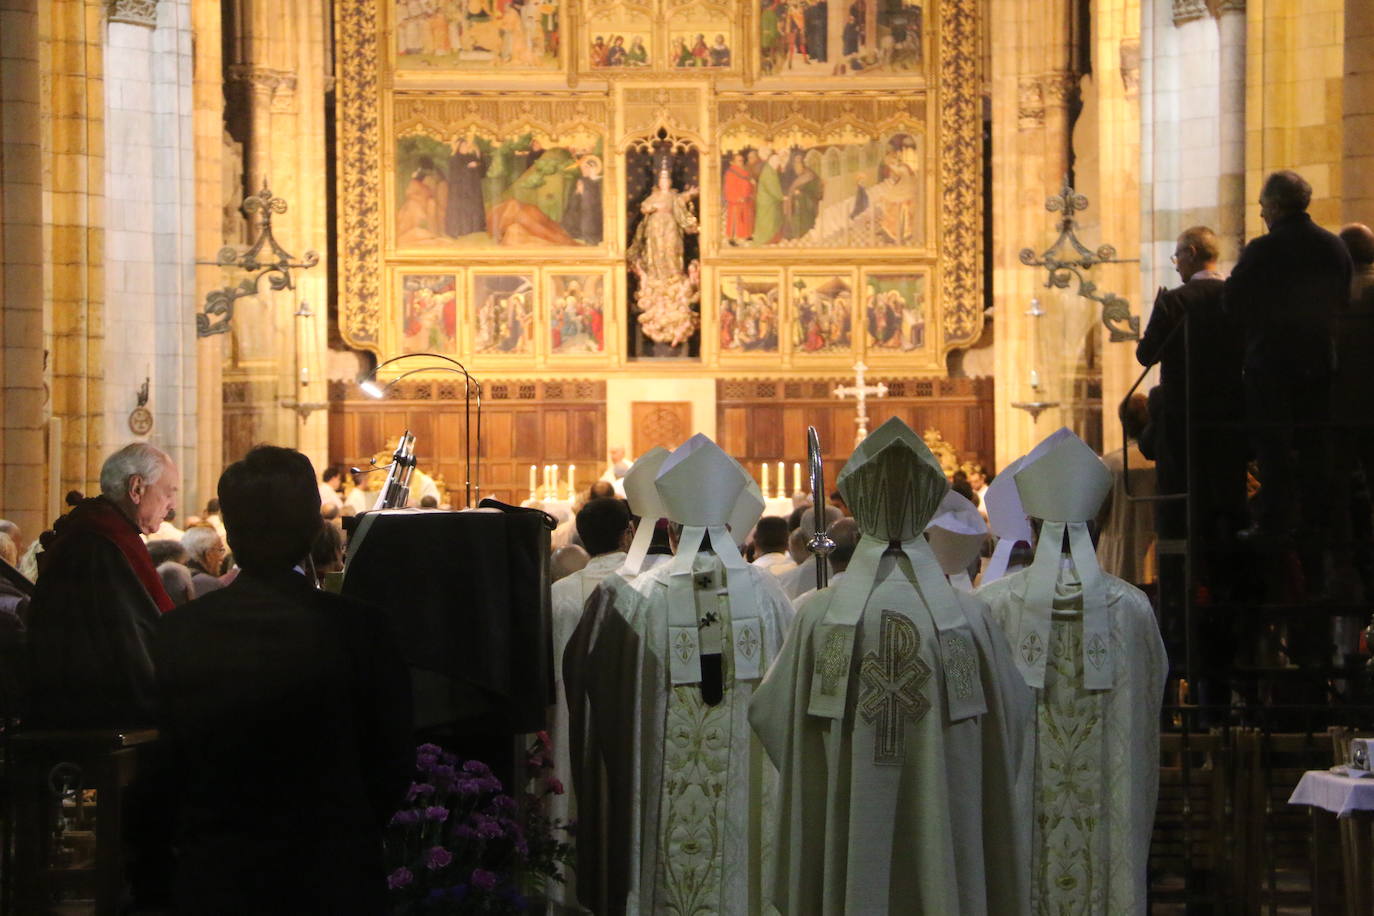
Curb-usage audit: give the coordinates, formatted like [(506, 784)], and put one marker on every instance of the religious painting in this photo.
[(707, 49), (503, 309), (822, 314), (477, 189), (576, 309), (618, 48), (858, 194), (843, 38), (662, 176), (750, 306), (486, 35), (429, 313), (895, 306)]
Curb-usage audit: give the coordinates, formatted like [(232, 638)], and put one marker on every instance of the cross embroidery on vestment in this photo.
[(891, 681), (832, 662)]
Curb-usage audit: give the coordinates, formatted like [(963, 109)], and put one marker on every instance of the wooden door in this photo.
[(665, 423)]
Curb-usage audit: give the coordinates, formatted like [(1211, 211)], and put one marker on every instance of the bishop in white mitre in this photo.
[(667, 665), (897, 721), (1089, 646), (1006, 518)]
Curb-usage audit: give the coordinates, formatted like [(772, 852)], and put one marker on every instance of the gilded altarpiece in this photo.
[(584, 187)]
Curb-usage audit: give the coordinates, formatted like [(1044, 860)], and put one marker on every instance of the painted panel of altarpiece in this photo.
[(823, 173)]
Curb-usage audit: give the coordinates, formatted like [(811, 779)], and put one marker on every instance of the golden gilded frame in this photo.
[(376, 103)]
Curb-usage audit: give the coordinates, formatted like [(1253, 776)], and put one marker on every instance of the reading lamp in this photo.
[(369, 385)]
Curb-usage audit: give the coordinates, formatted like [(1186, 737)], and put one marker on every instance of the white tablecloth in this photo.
[(778, 505), (1336, 793)]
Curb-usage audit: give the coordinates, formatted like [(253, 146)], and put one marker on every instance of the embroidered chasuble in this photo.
[(897, 721), (684, 780), (1096, 766), (673, 790)]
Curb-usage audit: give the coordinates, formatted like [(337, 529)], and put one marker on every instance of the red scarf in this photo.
[(101, 517)]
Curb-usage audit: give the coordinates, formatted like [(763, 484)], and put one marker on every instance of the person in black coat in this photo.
[(1285, 293), (1210, 351), (285, 719)]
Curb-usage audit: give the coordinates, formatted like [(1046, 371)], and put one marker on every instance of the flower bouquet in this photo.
[(462, 845)]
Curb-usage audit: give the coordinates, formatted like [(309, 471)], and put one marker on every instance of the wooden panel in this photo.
[(665, 423), (523, 423), (776, 412)]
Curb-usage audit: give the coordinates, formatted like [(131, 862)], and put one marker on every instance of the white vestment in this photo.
[(568, 597), (937, 827), (776, 563), (700, 788), (1096, 769), (800, 578)]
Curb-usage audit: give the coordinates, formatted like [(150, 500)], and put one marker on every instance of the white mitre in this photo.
[(644, 501), (1006, 518), (748, 509), (700, 487), (894, 485), (956, 535), (1063, 482)]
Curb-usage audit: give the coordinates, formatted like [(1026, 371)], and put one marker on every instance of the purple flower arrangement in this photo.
[(462, 845)]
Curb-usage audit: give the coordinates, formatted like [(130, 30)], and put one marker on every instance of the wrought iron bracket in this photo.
[(263, 258), (1068, 260)]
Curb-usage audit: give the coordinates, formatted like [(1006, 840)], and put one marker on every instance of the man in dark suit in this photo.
[(1285, 292), (286, 725), (1203, 376)]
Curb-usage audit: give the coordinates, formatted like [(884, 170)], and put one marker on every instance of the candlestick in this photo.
[(763, 484), (556, 494), (534, 483), (796, 477), (572, 481), (782, 480)]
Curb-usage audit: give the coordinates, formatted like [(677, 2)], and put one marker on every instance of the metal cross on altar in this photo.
[(860, 391)]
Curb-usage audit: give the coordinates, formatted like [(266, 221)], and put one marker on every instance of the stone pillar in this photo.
[(1357, 142), (281, 74), (1031, 89), (23, 395), (1230, 225), (208, 128), (150, 241), (74, 130)]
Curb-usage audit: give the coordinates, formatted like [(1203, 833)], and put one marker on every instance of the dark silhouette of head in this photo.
[(271, 508), (602, 525)]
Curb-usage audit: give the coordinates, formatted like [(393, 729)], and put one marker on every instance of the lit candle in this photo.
[(572, 480), (796, 477), (305, 376), (534, 484), (554, 481), (1035, 379), (764, 484), (546, 482), (782, 480)]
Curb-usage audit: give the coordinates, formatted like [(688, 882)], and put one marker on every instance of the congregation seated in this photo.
[(205, 553)]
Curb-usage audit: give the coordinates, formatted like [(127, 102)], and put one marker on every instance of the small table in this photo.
[(1352, 801)]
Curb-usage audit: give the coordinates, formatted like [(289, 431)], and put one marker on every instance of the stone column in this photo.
[(23, 396), (208, 128), (281, 66), (1031, 89), (74, 130), (1357, 141), (1230, 225)]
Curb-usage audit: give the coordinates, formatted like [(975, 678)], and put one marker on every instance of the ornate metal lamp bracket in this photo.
[(1068, 260), (263, 258)]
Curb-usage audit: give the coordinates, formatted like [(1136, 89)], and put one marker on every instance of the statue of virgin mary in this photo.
[(667, 290)]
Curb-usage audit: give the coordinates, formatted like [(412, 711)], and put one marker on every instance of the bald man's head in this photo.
[(1359, 241)]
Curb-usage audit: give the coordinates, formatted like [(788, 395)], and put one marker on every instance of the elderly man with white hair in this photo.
[(205, 552), (99, 599)]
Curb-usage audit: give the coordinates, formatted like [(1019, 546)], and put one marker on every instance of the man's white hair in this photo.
[(197, 540), (147, 461)]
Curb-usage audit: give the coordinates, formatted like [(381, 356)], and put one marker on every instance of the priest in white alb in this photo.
[(897, 721), (1089, 646), (667, 670), (604, 527)]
